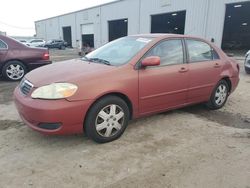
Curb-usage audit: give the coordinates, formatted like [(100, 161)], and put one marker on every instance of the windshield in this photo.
[(120, 51)]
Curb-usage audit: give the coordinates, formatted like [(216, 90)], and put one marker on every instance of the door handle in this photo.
[(217, 65), (183, 69)]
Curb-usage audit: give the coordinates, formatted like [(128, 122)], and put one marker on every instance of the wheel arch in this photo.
[(227, 79), (19, 60), (9, 60)]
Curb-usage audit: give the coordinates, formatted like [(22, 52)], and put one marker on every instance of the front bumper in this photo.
[(68, 116)]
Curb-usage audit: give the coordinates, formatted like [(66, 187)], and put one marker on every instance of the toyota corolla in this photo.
[(128, 78)]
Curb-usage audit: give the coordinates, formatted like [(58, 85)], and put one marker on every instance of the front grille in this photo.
[(25, 87)]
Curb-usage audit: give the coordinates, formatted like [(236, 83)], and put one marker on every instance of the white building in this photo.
[(2, 33), (226, 22)]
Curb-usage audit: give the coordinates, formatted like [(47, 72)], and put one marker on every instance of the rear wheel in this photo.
[(14, 70), (219, 96), (107, 119), (62, 47)]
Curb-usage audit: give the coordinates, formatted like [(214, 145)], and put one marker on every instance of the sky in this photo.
[(17, 16)]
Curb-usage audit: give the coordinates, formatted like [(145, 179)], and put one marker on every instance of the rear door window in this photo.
[(199, 51)]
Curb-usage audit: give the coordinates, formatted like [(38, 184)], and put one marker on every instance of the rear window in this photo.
[(3, 45)]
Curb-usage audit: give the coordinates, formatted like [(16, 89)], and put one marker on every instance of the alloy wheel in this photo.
[(15, 71), (221, 94), (109, 120)]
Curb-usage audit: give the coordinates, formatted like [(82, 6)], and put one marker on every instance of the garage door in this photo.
[(87, 31), (118, 29), (236, 34), (173, 22)]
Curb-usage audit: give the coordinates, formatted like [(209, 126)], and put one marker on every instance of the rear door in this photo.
[(164, 86), (3, 50), (204, 70)]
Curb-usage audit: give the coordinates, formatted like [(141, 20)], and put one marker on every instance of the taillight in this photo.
[(46, 56)]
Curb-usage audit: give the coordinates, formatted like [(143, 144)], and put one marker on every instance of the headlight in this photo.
[(54, 91)]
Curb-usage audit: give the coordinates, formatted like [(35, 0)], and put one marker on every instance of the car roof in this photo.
[(157, 35), (164, 35)]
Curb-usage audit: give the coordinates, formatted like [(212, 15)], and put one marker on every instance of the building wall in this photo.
[(120, 10), (204, 18), (90, 16), (194, 14), (215, 19), (2, 33)]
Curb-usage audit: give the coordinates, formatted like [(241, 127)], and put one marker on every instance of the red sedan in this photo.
[(128, 78), (16, 59)]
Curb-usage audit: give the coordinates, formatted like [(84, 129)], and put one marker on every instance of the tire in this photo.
[(219, 96), (62, 48), (111, 113), (14, 70)]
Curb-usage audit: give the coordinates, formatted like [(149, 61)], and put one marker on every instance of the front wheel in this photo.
[(14, 70), (107, 119), (219, 96)]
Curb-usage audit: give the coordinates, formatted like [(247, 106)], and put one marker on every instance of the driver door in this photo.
[(164, 86)]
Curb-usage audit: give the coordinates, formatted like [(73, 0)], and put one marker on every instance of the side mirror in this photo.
[(151, 61)]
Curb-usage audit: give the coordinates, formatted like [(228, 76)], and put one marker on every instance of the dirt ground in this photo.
[(190, 147)]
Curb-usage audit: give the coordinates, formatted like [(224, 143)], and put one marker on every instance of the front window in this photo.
[(170, 52), (120, 51)]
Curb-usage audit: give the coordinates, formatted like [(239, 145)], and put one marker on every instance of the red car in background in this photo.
[(128, 78), (16, 59)]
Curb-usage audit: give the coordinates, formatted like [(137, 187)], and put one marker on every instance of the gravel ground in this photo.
[(190, 147)]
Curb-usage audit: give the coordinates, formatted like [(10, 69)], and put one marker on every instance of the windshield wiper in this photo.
[(99, 61), (103, 61)]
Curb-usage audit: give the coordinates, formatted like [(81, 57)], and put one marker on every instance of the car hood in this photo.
[(72, 71)]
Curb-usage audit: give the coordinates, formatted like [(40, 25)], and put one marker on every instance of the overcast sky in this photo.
[(17, 16)]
